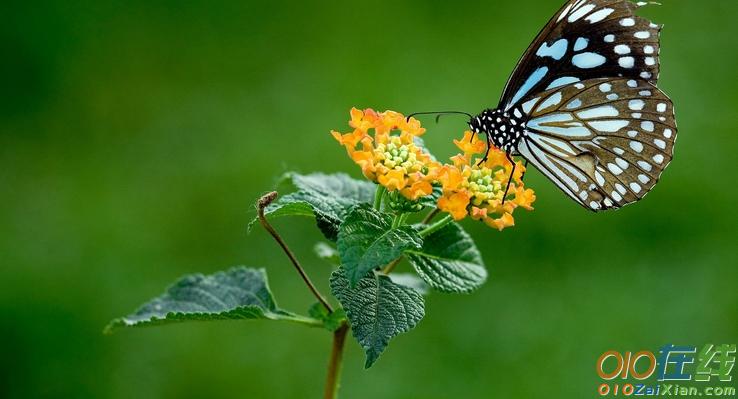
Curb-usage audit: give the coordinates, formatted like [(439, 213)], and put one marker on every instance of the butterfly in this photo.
[(582, 105)]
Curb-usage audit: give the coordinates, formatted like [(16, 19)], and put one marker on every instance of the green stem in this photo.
[(378, 196), (306, 321), (403, 219), (436, 226), (399, 220), (334, 365), (428, 218), (391, 266)]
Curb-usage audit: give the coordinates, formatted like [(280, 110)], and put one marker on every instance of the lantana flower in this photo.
[(475, 189), (383, 144)]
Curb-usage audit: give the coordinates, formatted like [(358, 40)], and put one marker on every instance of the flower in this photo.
[(475, 189), (391, 156)]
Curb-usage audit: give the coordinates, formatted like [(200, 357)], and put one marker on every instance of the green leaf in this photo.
[(449, 261), (238, 293), (378, 310), (366, 240), (331, 321), (325, 197)]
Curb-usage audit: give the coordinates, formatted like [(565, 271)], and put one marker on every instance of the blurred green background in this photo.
[(135, 136)]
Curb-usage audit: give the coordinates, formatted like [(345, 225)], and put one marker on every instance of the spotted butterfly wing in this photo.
[(587, 39), (604, 142), (583, 107)]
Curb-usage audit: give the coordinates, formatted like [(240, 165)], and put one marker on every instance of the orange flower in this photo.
[(391, 156), (470, 188)]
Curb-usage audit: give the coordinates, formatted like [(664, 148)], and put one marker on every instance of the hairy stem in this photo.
[(335, 362), (378, 196), (436, 226), (261, 205), (427, 219)]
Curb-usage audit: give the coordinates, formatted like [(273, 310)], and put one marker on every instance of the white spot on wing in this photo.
[(562, 81), (636, 105), (621, 189), (550, 101), (556, 51), (614, 169), (588, 60), (609, 126), (645, 166), (626, 62), (622, 49), (598, 112), (581, 43), (599, 15), (581, 12), (532, 80), (528, 105), (576, 103)]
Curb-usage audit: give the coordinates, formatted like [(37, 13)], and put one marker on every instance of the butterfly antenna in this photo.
[(439, 114)]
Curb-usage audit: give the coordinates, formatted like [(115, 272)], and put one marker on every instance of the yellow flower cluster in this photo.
[(474, 189), (391, 156)]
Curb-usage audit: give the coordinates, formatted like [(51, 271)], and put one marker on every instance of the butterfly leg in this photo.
[(489, 147), (512, 173)]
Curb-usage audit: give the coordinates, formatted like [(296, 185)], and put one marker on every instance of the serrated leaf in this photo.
[(378, 310), (366, 240), (331, 321), (325, 197), (235, 294), (449, 261)]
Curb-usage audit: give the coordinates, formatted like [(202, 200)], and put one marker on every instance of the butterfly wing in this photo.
[(604, 142), (587, 39)]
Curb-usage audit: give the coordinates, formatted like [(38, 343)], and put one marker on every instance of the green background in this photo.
[(135, 137)]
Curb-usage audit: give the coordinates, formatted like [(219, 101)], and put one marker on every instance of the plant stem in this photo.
[(334, 364), (391, 266), (430, 216), (436, 226), (378, 196), (261, 205)]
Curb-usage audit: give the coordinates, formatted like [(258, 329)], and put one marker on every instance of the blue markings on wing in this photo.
[(532, 80), (556, 51), (588, 60), (562, 82)]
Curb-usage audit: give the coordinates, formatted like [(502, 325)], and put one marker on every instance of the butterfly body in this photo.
[(582, 105), (503, 128)]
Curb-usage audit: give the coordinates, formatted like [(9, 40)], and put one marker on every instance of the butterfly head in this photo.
[(482, 122)]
